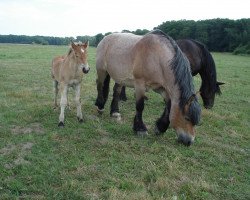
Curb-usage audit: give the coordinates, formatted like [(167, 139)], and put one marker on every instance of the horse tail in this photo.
[(208, 68)]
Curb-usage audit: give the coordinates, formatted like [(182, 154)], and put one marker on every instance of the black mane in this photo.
[(183, 78), (208, 71)]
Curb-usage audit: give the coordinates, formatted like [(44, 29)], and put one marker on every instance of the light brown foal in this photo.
[(67, 71)]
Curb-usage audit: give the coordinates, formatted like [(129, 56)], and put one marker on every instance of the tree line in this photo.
[(222, 35)]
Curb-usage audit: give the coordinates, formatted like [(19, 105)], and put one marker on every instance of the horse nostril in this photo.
[(85, 71), (185, 139)]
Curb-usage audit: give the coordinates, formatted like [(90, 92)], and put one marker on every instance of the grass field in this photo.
[(103, 159)]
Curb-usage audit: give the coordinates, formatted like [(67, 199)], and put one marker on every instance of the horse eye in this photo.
[(188, 119)]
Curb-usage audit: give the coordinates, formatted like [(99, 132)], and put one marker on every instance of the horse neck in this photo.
[(70, 61)]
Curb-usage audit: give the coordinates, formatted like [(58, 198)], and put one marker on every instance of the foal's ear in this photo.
[(86, 44), (73, 45)]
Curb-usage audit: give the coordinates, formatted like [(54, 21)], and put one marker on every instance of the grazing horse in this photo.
[(143, 62), (201, 62), (67, 71)]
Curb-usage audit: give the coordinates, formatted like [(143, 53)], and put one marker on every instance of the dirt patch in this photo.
[(32, 128), (20, 151), (7, 150)]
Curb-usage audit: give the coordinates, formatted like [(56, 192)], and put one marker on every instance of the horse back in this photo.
[(114, 54), (56, 66), (193, 52)]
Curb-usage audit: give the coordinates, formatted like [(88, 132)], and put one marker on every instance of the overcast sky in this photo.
[(65, 18)]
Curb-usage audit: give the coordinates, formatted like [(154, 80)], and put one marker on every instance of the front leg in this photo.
[(63, 104), (78, 103), (139, 127), (163, 122)]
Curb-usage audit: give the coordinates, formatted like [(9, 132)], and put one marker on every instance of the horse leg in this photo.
[(163, 122), (63, 104), (123, 96), (114, 109), (78, 103), (56, 89), (139, 127), (102, 90)]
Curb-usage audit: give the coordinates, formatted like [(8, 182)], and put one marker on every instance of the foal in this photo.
[(67, 71)]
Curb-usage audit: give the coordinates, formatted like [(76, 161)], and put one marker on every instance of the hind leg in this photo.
[(114, 109), (102, 89), (139, 127), (123, 96), (78, 103), (163, 122), (56, 89)]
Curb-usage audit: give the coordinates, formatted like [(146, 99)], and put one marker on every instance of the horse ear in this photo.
[(219, 83), (73, 45), (86, 44)]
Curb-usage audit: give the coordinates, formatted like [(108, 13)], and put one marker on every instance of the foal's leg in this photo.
[(56, 89), (63, 104), (78, 103), (139, 127), (114, 109), (163, 122)]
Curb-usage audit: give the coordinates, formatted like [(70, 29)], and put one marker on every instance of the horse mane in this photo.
[(71, 50), (180, 66), (208, 70)]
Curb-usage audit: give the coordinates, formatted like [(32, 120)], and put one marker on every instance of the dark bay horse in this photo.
[(143, 62), (201, 62)]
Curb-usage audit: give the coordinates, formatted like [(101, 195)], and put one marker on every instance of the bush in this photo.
[(242, 49)]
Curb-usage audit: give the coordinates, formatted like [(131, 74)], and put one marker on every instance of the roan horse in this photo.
[(67, 71), (201, 62), (151, 61)]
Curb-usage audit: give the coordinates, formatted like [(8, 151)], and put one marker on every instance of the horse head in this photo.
[(209, 96), (80, 51), (184, 120)]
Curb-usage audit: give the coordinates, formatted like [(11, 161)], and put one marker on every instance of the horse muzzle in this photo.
[(185, 139), (85, 69)]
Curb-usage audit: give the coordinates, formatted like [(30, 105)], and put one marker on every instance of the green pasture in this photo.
[(102, 158)]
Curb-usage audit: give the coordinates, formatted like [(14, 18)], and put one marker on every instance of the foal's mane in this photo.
[(208, 70), (71, 50), (183, 78)]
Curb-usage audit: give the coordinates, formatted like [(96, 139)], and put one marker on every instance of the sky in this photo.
[(71, 18)]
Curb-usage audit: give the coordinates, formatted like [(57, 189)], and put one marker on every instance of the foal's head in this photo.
[(184, 120), (80, 51)]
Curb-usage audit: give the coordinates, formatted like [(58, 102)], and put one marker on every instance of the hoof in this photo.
[(100, 111), (116, 115), (157, 131), (61, 125), (142, 133), (80, 120)]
